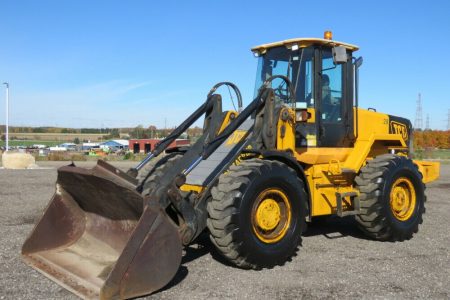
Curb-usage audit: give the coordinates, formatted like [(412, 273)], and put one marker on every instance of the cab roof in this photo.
[(303, 42)]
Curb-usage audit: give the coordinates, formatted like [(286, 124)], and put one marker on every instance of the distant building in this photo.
[(68, 146), (58, 148), (39, 146), (89, 146), (147, 145), (115, 145)]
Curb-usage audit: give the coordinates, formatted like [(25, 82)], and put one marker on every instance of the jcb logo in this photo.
[(235, 137), (399, 128)]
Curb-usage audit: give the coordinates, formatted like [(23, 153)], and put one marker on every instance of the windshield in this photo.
[(296, 65)]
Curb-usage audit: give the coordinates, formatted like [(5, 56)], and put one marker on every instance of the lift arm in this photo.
[(169, 192)]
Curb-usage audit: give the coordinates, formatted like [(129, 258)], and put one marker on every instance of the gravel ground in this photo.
[(335, 260)]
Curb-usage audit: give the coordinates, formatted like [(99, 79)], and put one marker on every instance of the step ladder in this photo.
[(354, 201)]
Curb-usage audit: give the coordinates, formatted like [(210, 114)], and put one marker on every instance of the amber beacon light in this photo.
[(328, 35)]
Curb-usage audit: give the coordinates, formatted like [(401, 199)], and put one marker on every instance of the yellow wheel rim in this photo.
[(271, 215), (402, 199)]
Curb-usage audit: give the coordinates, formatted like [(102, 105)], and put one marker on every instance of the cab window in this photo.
[(331, 89), (297, 66), (304, 83)]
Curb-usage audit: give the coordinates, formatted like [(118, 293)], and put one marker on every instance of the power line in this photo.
[(418, 124), (448, 120)]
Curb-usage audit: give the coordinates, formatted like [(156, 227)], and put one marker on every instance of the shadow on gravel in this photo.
[(443, 185), (179, 277), (204, 246), (330, 227), (333, 227), (200, 247), (207, 247), (219, 257)]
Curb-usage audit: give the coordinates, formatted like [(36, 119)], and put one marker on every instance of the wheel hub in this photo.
[(268, 214), (271, 215), (402, 199)]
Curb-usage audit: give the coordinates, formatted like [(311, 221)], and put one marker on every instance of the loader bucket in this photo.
[(98, 240)]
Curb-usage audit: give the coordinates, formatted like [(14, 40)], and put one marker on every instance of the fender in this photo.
[(288, 159)]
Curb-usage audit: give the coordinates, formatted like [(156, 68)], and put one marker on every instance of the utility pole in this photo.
[(427, 124), (7, 115)]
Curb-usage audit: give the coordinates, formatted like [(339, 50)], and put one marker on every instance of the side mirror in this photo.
[(358, 62), (339, 55)]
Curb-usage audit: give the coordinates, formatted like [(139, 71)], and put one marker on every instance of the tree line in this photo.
[(152, 132), (422, 139), (432, 139), (138, 132)]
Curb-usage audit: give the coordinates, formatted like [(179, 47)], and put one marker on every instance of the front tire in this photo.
[(392, 198), (257, 214), (153, 178)]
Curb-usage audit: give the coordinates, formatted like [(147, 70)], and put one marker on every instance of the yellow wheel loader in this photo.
[(301, 148)]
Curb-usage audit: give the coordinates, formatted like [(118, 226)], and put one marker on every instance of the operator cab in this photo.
[(322, 75)]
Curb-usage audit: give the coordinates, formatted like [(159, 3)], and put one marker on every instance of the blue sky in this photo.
[(124, 63)]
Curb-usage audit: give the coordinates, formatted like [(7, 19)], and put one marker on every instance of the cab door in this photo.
[(334, 113)]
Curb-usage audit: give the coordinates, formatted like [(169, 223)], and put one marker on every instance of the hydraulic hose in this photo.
[(255, 105), (235, 89)]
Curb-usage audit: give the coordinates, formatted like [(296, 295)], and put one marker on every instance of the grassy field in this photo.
[(433, 154), (62, 137), (30, 143)]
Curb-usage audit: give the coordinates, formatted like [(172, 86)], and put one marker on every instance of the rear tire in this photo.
[(257, 214), (392, 198)]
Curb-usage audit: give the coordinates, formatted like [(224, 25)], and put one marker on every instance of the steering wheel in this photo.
[(282, 92), (286, 94)]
